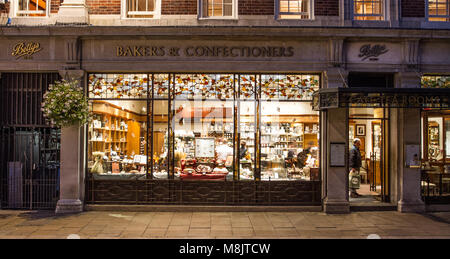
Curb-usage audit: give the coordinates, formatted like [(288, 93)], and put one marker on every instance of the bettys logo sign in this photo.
[(372, 52), (26, 50)]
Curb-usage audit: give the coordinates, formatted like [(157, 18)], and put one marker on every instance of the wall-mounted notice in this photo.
[(337, 154), (412, 155)]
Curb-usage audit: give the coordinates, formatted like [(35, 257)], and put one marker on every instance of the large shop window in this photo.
[(439, 10), (31, 8), (368, 10), (294, 9), (222, 127)]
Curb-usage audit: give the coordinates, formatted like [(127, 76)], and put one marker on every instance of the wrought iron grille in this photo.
[(29, 154)]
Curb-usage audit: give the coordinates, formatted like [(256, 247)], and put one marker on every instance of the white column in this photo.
[(73, 11), (71, 169), (69, 197), (336, 200)]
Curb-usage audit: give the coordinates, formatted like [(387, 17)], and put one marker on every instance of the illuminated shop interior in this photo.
[(203, 127)]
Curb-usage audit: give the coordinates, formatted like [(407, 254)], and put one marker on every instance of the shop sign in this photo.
[(396, 100), (370, 52), (409, 99), (26, 49), (204, 51)]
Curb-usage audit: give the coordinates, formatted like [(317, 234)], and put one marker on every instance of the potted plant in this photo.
[(65, 105)]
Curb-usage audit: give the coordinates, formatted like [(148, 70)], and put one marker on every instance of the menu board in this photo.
[(337, 154), (204, 147)]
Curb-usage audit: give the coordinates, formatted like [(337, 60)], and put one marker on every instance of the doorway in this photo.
[(370, 126)]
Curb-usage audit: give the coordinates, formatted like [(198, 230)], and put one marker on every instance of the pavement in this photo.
[(16, 224)]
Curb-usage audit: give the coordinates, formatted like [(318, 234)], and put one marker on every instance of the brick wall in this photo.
[(413, 8), (4, 8), (179, 7), (256, 7), (54, 5), (103, 6), (326, 7)]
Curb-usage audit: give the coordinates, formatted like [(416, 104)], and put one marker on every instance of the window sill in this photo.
[(362, 23), (218, 19)]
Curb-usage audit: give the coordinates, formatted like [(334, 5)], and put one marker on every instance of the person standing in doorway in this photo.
[(355, 164)]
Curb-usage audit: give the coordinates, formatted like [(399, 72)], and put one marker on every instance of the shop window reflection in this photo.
[(117, 139)]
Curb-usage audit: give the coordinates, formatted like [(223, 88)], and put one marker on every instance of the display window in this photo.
[(218, 127), (117, 138), (435, 145), (289, 141), (204, 127)]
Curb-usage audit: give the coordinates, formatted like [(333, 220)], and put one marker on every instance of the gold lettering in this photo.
[(136, 51), (128, 52), (232, 53), (258, 52), (162, 51), (188, 53), (119, 51), (290, 52), (26, 49)]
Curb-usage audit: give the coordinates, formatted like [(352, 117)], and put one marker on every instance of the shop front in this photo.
[(386, 121), (232, 116), (203, 138)]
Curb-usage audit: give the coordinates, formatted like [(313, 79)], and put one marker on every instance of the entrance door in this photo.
[(370, 126)]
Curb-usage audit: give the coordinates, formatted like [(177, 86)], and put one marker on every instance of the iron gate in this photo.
[(29, 150)]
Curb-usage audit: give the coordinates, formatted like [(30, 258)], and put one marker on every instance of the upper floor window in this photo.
[(368, 10), (31, 8), (294, 9), (218, 8), (439, 10), (142, 8)]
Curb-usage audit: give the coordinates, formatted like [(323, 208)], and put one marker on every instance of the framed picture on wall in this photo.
[(360, 130)]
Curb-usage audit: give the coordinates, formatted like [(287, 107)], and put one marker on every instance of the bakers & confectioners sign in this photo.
[(205, 51)]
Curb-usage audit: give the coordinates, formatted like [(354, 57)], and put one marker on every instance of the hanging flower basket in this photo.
[(65, 104)]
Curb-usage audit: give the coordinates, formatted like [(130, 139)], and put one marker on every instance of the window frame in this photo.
[(310, 12), (256, 98), (202, 14), (428, 16), (384, 10), (156, 13), (24, 14)]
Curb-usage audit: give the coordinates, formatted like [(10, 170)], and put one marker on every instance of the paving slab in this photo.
[(223, 225)]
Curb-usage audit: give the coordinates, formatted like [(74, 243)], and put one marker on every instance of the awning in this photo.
[(381, 98)]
